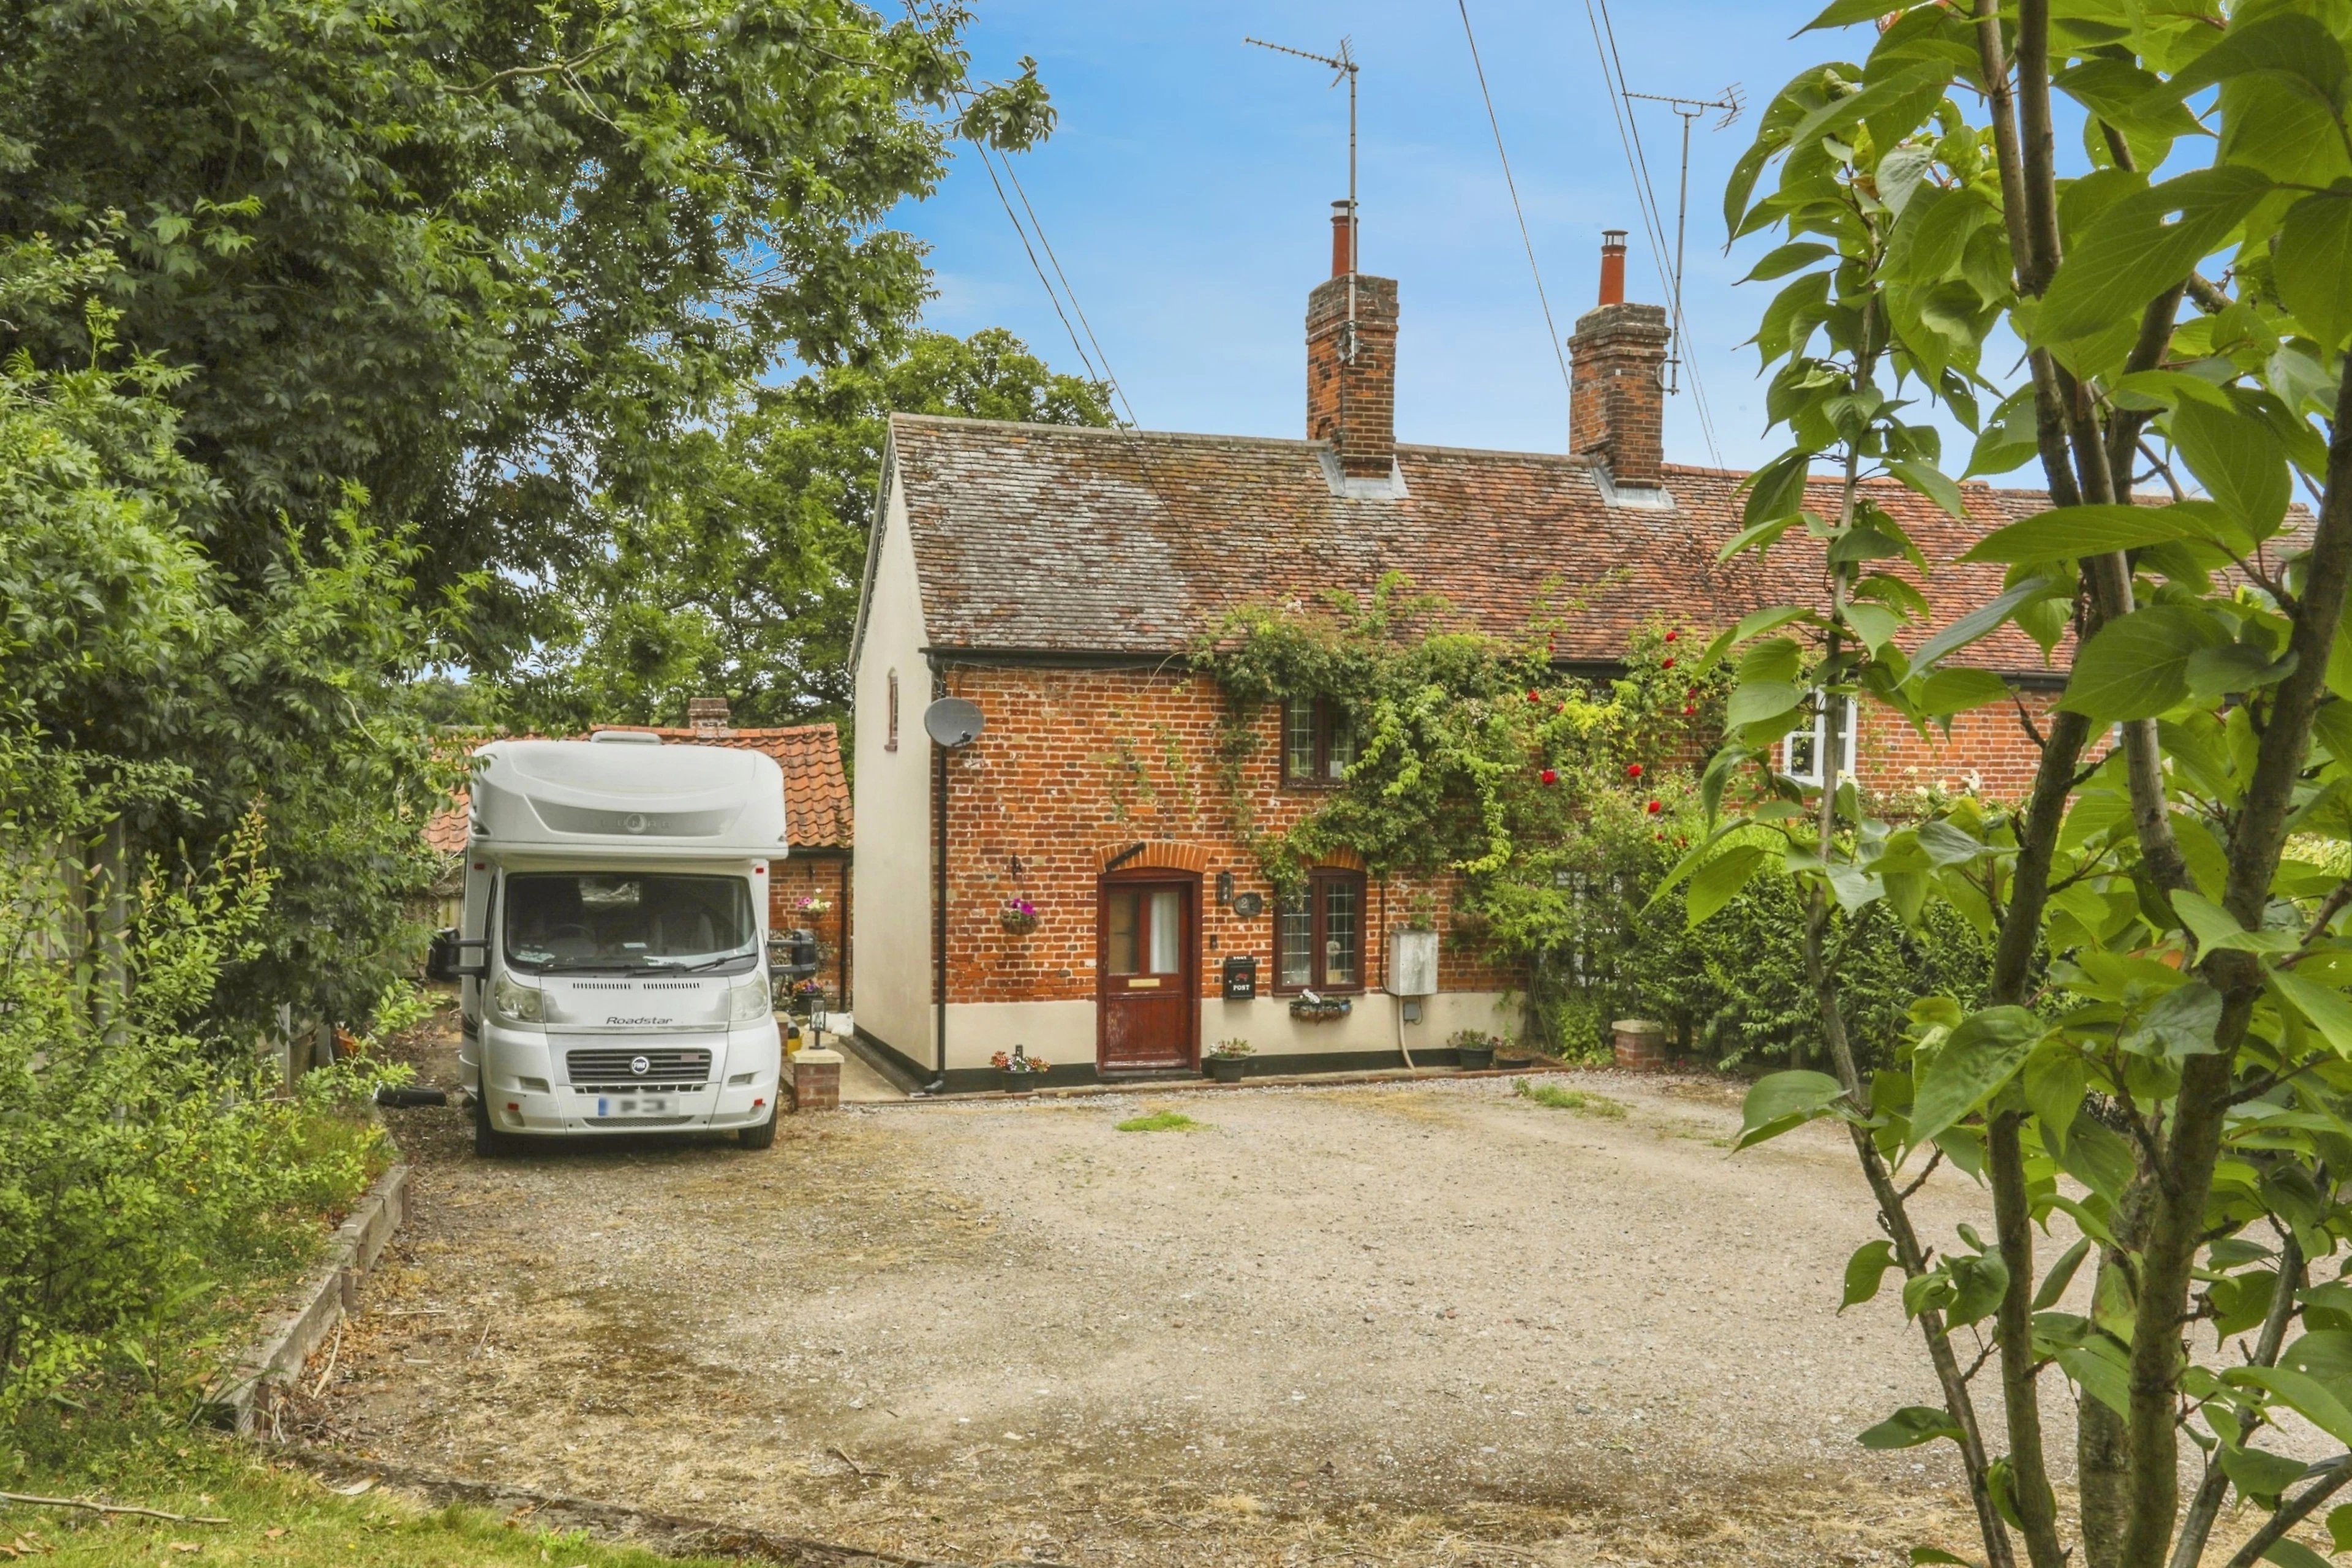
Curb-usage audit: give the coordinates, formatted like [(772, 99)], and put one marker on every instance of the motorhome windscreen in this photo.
[(634, 920)]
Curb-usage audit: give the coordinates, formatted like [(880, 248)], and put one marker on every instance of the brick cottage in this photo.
[(1056, 577)]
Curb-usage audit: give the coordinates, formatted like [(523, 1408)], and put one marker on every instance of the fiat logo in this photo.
[(639, 1065)]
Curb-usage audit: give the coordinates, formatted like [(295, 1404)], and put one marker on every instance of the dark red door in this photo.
[(1146, 968)]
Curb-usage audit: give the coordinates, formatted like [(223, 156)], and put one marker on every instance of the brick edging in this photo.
[(255, 1388)]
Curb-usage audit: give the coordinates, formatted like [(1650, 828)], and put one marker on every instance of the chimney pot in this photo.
[(1343, 238), (1613, 266), (707, 713)]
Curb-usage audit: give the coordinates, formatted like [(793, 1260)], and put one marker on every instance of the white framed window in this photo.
[(1801, 750)]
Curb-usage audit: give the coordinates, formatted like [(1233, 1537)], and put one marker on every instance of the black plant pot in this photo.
[(1020, 1082), (1476, 1058), (1228, 1070)]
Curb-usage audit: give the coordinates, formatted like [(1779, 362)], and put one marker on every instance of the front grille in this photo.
[(671, 1067), (631, 1121)]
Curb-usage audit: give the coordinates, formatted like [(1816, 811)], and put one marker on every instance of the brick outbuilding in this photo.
[(1056, 577)]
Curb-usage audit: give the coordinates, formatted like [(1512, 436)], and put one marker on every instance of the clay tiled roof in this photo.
[(445, 833), (1053, 539), (816, 792)]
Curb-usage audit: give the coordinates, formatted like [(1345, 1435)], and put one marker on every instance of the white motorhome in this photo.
[(614, 950)]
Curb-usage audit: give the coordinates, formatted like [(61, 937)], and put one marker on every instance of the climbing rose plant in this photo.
[(2154, 1098)]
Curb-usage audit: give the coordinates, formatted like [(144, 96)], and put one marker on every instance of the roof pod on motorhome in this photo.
[(628, 799)]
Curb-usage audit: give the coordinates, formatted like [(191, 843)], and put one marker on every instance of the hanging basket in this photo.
[(1018, 924)]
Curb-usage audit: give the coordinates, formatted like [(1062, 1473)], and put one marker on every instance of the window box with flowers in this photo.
[(1018, 916)]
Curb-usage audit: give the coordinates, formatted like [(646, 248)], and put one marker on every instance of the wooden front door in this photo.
[(1147, 969)]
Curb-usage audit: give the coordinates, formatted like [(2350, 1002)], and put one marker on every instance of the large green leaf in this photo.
[(2241, 462), (2141, 246), (1755, 701), (1979, 622), (2287, 43), (1910, 1426), (1948, 691), (2138, 667), (2328, 1010), (1781, 1101), (1713, 885), (2215, 928), (2072, 531), (2314, 265), (1866, 1271), (2303, 1394), (1979, 1056)]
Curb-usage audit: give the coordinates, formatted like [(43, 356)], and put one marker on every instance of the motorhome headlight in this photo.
[(516, 1004), (748, 999)]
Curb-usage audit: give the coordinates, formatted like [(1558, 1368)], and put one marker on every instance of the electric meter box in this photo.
[(1413, 963)]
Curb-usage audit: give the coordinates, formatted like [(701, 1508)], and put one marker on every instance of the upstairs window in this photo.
[(1319, 934), (890, 739), (1802, 751), (1319, 742)]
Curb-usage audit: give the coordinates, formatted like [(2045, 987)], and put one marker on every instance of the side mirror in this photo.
[(446, 958)]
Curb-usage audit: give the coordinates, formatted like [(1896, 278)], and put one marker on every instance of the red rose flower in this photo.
[(1655, 807), (1668, 665), (1550, 775), (1689, 709), (1671, 636), (1633, 770), (1535, 696)]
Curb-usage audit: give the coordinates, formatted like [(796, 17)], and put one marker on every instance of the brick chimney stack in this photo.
[(1617, 402), (706, 715), (1352, 378)]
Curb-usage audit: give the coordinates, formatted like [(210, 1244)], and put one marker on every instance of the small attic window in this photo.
[(890, 735)]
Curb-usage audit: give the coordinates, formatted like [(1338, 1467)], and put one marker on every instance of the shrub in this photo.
[(148, 1181)]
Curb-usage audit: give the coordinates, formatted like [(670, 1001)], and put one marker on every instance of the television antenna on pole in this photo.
[(1343, 65), (1690, 109)]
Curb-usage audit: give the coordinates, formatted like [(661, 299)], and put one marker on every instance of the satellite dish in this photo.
[(952, 721)]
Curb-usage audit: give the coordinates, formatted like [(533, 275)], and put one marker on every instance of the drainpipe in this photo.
[(939, 1083)]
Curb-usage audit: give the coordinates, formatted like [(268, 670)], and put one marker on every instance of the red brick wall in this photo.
[(1988, 753), (800, 876), (1078, 763)]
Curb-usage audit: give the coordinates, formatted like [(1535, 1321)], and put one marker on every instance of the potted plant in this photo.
[(1017, 1072), (814, 904), (1018, 916), (1474, 1049), (1229, 1060)]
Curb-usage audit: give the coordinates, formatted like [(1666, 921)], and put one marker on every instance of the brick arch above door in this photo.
[(1154, 854)]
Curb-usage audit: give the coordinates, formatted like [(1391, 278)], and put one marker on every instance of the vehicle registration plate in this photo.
[(635, 1105)]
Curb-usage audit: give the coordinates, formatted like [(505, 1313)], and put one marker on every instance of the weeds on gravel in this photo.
[(274, 1516), (1162, 1121), (1575, 1099)]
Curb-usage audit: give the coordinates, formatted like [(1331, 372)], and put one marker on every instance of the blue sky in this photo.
[(1188, 195)]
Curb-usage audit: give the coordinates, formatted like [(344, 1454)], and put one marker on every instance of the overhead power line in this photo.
[(1551, 329), (1629, 134)]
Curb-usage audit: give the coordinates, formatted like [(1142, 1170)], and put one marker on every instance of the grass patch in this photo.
[(278, 1520), (1162, 1121), (1575, 1099)]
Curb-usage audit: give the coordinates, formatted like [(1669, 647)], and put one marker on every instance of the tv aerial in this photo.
[(1690, 109), (1343, 66)]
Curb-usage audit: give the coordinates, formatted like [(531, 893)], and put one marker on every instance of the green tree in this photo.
[(2165, 1026), (735, 572), (484, 259)]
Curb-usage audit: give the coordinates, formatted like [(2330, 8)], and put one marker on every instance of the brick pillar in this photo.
[(1351, 397), (1617, 402), (1640, 1045), (816, 1080)]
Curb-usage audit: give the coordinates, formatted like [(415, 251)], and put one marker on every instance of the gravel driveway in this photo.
[(1410, 1324)]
